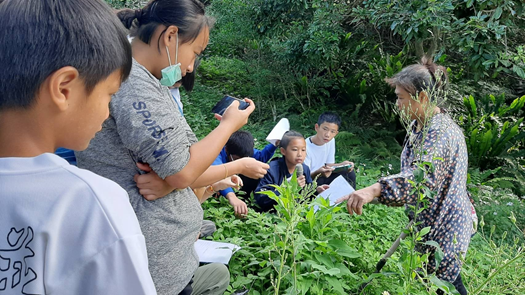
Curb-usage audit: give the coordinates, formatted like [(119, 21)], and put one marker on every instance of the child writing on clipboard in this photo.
[(320, 156)]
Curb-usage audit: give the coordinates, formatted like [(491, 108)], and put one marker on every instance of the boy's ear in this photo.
[(283, 151), (316, 127), (62, 85)]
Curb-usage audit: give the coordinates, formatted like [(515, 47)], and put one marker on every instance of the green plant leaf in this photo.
[(336, 284), (444, 285), (497, 13), (424, 231), (343, 249), (324, 259), (519, 71), (438, 254)]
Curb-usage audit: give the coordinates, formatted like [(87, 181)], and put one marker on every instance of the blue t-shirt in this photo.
[(67, 154), (260, 155)]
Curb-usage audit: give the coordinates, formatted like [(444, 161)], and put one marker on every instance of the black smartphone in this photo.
[(341, 168), (225, 102)]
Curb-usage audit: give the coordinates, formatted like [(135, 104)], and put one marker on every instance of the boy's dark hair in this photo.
[(240, 144), (40, 37), (288, 136), (187, 15), (329, 117)]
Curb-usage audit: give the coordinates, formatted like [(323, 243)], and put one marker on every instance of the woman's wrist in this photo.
[(376, 190)]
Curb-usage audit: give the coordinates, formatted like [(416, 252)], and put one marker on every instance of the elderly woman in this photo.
[(434, 138)]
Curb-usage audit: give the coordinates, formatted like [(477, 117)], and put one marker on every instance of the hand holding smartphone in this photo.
[(225, 102), (341, 168)]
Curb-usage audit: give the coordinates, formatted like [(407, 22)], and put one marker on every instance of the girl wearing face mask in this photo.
[(145, 126)]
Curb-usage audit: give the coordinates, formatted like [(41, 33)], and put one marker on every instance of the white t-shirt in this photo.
[(318, 155), (176, 95), (64, 230)]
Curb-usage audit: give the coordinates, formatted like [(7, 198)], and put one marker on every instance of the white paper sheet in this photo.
[(278, 131), (338, 188), (210, 251)]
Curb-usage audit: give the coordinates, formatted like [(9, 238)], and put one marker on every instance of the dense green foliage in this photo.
[(324, 265), (298, 58)]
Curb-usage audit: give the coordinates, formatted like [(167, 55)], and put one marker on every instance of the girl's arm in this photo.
[(204, 193), (206, 150), (245, 166)]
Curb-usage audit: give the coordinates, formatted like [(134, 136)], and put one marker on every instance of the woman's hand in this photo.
[(357, 199), (150, 185), (253, 168), (232, 181), (301, 180), (322, 188), (234, 117)]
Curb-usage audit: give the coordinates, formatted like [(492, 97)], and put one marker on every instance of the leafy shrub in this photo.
[(330, 252), (229, 75), (478, 33), (233, 33), (366, 91), (492, 128), (419, 23), (197, 108), (299, 251)]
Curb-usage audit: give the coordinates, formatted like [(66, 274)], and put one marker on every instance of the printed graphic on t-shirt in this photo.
[(15, 272)]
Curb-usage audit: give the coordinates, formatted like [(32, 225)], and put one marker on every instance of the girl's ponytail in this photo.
[(128, 16)]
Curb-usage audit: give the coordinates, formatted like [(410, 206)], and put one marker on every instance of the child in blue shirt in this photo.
[(293, 149), (240, 145)]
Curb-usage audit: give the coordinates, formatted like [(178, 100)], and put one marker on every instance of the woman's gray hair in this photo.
[(424, 76)]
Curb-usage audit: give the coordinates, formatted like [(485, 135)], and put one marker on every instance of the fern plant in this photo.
[(492, 128)]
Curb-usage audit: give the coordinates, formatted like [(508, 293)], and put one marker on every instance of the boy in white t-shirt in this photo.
[(320, 151), (63, 230)]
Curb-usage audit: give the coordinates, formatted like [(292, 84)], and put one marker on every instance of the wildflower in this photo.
[(510, 204), (495, 213)]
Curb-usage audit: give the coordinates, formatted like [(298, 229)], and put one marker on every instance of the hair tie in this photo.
[(138, 14)]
